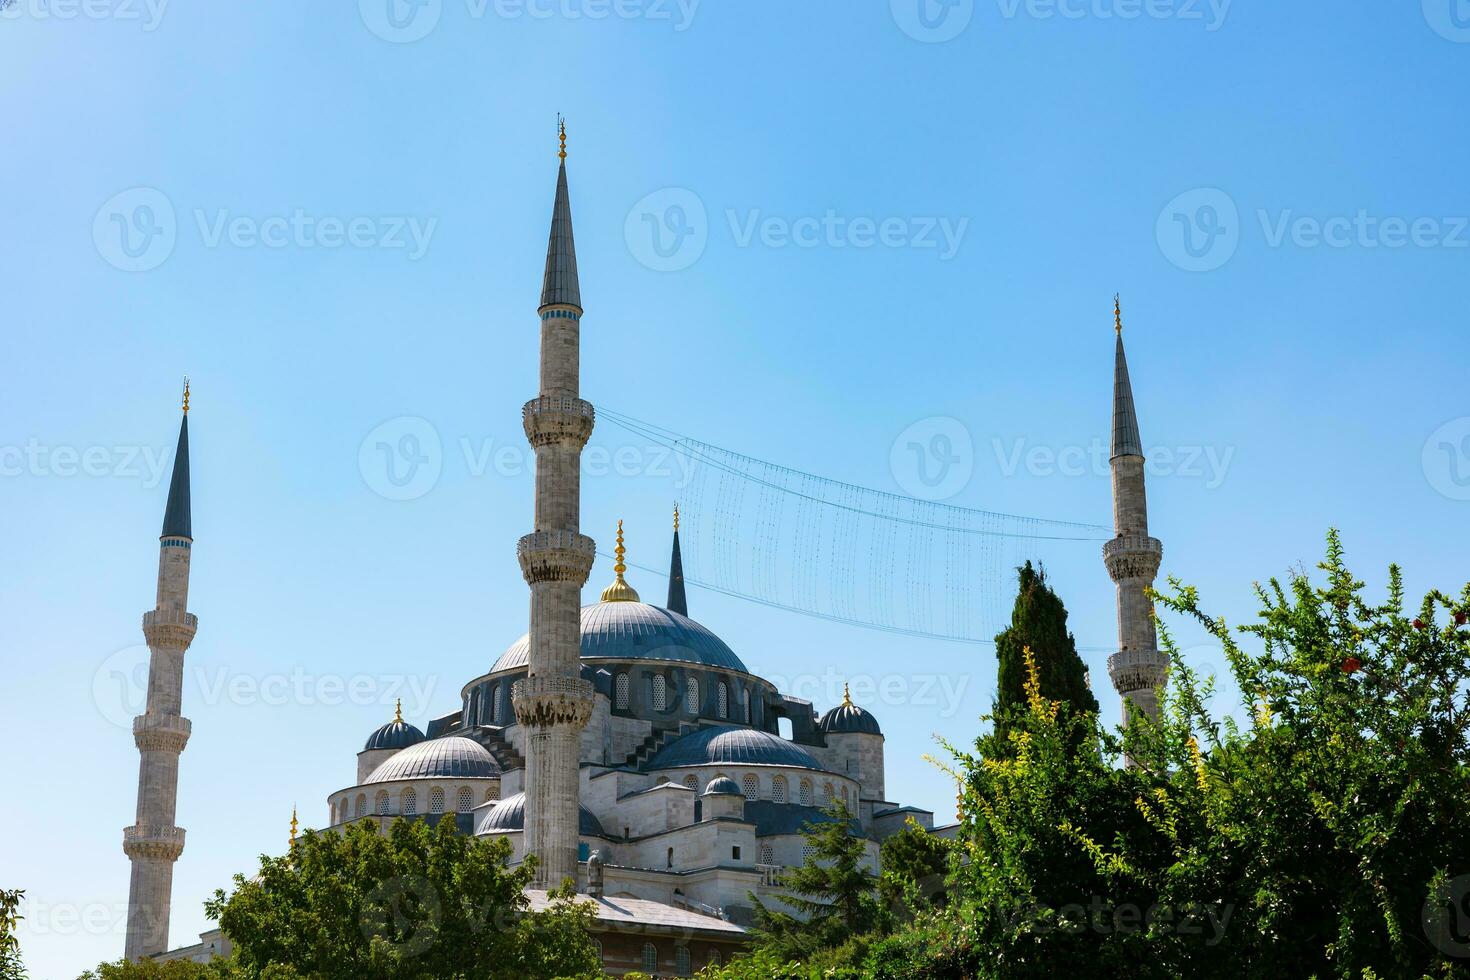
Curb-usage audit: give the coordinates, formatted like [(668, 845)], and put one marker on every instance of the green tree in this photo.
[(914, 865), (11, 967), (1038, 622), (833, 894), (416, 902)]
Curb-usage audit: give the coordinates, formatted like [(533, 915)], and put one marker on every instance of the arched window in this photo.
[(806, 793), (751, 785), (466, 799), (681, 960), (767, 854), (408, 802), (436, 800), (650, 958), (382, 801), (808, 851), (493, 793), (620, 691), (778, 789), (495, 704), (714, 957), (826, 794), (597, 948), (660, 692), (745, 704), (361, 804), (724, 700), (691, 697), (692, 782), (474, 707)]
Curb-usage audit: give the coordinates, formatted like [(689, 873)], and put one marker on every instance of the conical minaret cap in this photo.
[(1126, 441), (678, 602), (559, 284), (176, 523)]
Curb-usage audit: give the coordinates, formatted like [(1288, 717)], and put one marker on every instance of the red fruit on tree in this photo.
[(1351, 665), (1418, 624), (1460, 618)]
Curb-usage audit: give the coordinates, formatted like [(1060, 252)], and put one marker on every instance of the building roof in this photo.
[(397, 734), (510, 814), (723, 785), (732, 746), (452, 756), (637, 631), (559, 283), (847, 718), (1126, 441), (642, 915), (176, 522)]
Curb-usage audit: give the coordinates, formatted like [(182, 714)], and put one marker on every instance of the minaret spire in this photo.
[(554, 702), (678, 602), (1138, 669), (153, 843)]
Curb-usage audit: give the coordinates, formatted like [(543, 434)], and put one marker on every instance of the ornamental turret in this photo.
[(554, 702), (1138, 669), (153, 843)]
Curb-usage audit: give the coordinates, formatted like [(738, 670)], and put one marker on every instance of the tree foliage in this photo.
[(1038, 623), (11, 967)]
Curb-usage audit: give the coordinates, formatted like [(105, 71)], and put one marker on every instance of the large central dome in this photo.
[(638, 631)]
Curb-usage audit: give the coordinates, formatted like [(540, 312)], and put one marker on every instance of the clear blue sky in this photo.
[(1074, 152)]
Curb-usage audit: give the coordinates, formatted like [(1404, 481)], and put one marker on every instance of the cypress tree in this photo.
[(1038, 621)]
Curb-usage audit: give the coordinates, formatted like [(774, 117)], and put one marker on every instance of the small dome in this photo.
[(452, 756), (727, 745), (723, 786), (396, 734), (848, 719), (510, 814)]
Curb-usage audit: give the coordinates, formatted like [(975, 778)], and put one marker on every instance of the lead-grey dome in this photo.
[(732, 746), (637, 631), (510, 814), (452, 756), (722, 786), (397, 734), (847, 718)]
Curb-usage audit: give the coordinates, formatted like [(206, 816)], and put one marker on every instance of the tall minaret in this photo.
[(1138, 669), (553, 701), (677, 601), (153, 843)]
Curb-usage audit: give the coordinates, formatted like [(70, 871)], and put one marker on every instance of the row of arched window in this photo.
[(662, 692), (408, 803), (682, 960), (780, 790), (489, 707)]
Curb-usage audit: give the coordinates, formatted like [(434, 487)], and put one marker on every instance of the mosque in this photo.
[(623, 743)]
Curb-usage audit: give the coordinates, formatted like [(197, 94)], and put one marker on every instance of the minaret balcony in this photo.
[(1138, 670), (558, 420), (161, 733), (549, 701), (169, 628), (153, 841), (556, 556), (1133, 556)]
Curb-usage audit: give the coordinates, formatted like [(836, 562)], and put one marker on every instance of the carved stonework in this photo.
[(161, 733), (550, 702), (161, 843), (1138, 670), (552, 420), (1133, 557), (556, 556), (168, 630)]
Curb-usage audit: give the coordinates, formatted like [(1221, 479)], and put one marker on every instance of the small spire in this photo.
[(678, 601), (1117, 314), (186, 394), (846, 696), (176, 520), (561, 126), (1126, 441), (293, 823), (620, 590), (398, 712), (676, 517)]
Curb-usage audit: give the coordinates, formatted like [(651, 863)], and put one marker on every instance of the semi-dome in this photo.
[(450, 757), (397, 734), (510, 814), (848, 719), (725, 744), (722, 786), (637, 631)]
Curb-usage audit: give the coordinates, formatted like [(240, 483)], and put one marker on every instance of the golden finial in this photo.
[(398, 712), (186, 396), (1117, 313), (620, 590), (561, 127), (293, 823), (846, 695), (676, 516)]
